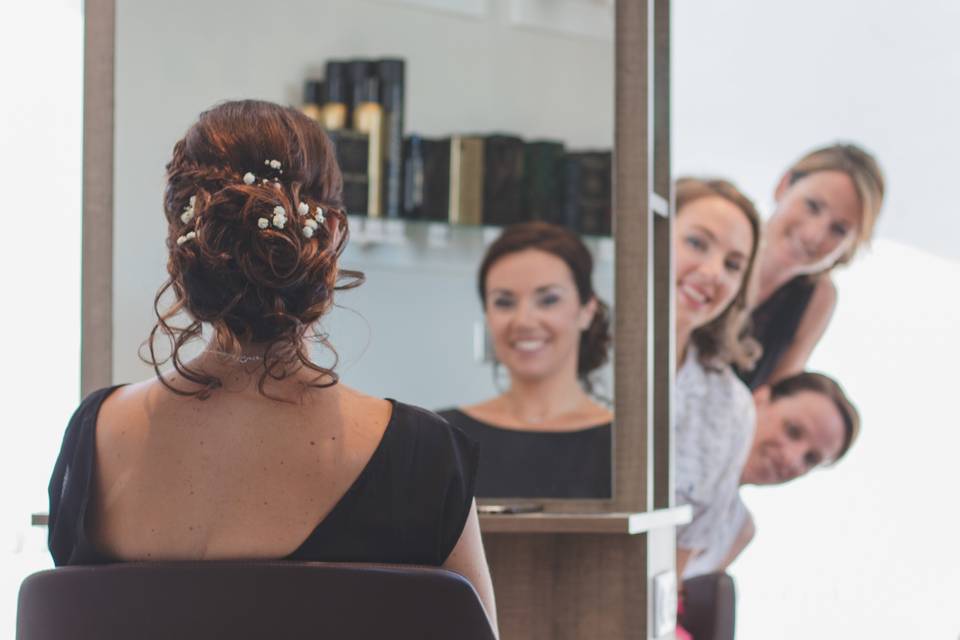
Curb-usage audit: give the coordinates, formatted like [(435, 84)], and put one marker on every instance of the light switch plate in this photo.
[(664, 603)]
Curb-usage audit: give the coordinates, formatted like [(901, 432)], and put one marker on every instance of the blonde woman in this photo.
[(827, 204)]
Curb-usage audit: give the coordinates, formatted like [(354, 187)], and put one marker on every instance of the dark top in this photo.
[(407, 506), (539, 464), (774, 325)]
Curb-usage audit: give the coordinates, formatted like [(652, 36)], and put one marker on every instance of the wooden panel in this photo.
[(663, 273), (96, 331), (631, 197), (561, 587)]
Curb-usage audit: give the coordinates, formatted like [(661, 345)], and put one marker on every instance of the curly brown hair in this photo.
[(726, 339), (594, 349), (252, 283)]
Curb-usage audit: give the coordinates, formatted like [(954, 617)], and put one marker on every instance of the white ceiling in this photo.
[(756, 83)]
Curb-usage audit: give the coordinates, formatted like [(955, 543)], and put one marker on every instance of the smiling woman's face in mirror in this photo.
[(534, 314)]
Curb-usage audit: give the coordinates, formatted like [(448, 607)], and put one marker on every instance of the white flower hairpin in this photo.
[(249, 178), (279, 217), (188, 211), (186, 237), (303, 208), (322, 219)]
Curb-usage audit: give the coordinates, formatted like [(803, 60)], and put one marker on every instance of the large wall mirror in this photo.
[(523, 79)]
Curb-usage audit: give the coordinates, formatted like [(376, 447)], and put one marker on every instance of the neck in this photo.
[(683, 340), (245, 358), (770, 277), (537, 401)]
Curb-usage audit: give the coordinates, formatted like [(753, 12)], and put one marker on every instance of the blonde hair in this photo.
[(867, 177), (725, 340)]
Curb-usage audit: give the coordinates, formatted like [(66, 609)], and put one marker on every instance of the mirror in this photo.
[(506, 76)]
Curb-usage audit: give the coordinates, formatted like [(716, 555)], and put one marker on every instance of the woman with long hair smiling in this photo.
[(827, 204), (716, 233)]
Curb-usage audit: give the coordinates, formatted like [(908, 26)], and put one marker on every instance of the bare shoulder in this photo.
[(362, 408), (599, 413), (124, 420), (824, 297)]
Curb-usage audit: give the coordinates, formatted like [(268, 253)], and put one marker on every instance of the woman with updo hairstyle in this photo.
[(715, 239), (827, 204), (545, 436), (251, 450)]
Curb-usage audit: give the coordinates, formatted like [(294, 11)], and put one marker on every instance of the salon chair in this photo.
[(709, 607), (241, 600)]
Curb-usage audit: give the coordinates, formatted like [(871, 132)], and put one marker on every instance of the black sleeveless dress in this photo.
[(407, 506), (774, 325), (538, 464)]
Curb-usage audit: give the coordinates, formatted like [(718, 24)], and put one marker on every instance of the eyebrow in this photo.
[(713, 237), (544, 289), (823, 204), (705, 231)]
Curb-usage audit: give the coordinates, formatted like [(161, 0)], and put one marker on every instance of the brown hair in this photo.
[(725, 340), (823, 384), (594, 348), (863, 169), (267, 286)]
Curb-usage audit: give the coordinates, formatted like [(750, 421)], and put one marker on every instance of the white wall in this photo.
[(758, 83), (865, 550), (40, 133), (177, 58)]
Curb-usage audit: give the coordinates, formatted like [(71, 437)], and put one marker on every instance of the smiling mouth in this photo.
[(799, 251), (528, 345), (697, 296)]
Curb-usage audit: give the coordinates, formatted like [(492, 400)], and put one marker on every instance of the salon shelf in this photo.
[(628, 523), (620, 523), (402, 243)]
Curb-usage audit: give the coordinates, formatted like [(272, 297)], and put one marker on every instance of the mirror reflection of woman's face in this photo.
[(712, 243), (815, 223), (534, 314)]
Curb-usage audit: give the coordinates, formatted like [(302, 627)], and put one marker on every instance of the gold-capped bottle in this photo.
[(313, 99), (368, 118), (335, 110)]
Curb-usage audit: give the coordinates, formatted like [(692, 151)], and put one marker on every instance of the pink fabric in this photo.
[(681, 633)]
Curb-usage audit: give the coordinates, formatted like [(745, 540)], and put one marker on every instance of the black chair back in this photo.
[(241, 600), (709, 607)]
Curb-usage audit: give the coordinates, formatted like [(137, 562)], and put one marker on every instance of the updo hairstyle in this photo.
[(244, 185), (594, 348)]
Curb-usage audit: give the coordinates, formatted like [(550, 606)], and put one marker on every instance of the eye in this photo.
[(813, 206), (502, 302), (794, 431), (696, 243), (733, 265), (812, 459), (839, 230), (548, 299)]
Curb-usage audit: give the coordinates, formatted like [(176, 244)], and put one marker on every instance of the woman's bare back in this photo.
[(235, 476)]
